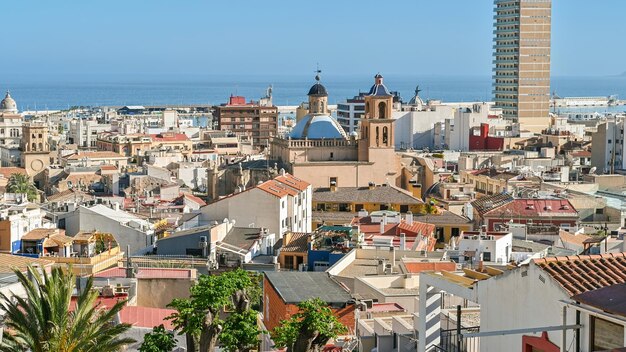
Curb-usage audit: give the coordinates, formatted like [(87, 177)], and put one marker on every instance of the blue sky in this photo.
[(157, 37)]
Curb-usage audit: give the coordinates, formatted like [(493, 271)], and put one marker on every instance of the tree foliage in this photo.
[(159, 340), (43, 321), (241, 332), (200, 318), (309, 329), (20, 183)]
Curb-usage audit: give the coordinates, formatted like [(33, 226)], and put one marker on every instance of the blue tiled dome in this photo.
[(318, 127)]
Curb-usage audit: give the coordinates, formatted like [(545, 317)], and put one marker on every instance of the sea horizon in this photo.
[(54, 92)]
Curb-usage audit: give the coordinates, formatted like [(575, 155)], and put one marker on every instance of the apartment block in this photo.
[(521, 79)]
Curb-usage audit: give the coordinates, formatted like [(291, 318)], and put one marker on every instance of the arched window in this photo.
[(377, 137), (367, 108), (382, 110), (385, 136), (40, 147), (33, 147)]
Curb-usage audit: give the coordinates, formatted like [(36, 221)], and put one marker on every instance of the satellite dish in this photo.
[(592, 171)]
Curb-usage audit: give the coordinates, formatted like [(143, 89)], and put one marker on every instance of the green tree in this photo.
[(159, 340), (309, 329), (241, 332), (43, 321), (20, 183), (431, 206), (199, 316)]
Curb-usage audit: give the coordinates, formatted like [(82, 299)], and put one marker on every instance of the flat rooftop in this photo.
[(297, 286)]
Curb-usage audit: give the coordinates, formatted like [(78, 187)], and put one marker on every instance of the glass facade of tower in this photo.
[(521, 79)]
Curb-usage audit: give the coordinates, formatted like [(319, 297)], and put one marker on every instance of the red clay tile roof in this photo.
[(582, 154), (39, 234), (573, 238), (532, 207), (6, 172), (299, 242), (195, 199), (578, 274), (108, 167), (415, 228), (276, 189), (169, 137), (293, 181)]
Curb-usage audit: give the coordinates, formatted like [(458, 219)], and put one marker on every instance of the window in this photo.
[(455, 232), (605, 335), (289, 262), (439, 235), (333, 180), (344, 207), (404, 208)]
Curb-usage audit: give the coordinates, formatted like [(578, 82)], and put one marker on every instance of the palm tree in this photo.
[(20, 183), (43, 322)]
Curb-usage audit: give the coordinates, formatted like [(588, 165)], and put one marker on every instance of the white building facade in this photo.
[(280, 205)]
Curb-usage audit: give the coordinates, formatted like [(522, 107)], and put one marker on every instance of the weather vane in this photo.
[(317, 72)]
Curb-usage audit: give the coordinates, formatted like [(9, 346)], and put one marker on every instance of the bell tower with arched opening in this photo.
[(35, 150), (377, 123)]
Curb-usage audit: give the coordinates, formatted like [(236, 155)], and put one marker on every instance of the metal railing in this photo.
[(452, 342)]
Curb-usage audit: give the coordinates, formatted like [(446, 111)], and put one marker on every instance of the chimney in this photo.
[(384, 219), (282, 172), (402, 241), (409, 217), (382, 227), (371, 185), (393, 256)]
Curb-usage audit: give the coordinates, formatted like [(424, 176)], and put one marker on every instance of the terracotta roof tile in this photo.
[(577, 239), (276, 188), (195, 199), (293, 181), (532, 207), (297, 243), (6, 172), (169, 137), (578, 274)]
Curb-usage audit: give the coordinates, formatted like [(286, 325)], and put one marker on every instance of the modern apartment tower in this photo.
[(521, 80)]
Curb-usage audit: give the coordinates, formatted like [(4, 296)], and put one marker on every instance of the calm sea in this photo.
[(36, 93)]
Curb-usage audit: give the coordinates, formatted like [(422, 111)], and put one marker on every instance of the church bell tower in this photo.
[(35, 150), (377, 124)]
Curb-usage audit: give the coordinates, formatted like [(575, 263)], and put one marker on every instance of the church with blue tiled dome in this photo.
[(319, 151), (318, 124), (318, 127)]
